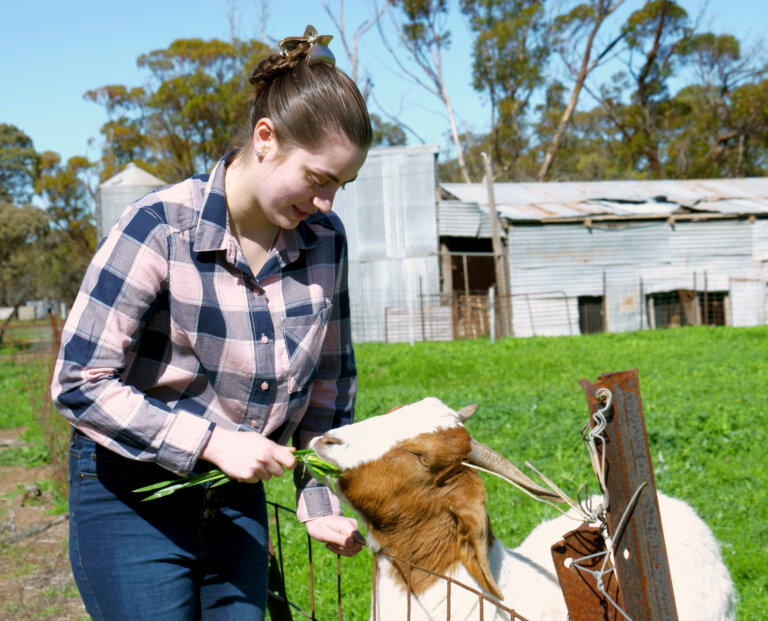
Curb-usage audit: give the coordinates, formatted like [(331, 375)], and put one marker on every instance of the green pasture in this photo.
[(706, 409)]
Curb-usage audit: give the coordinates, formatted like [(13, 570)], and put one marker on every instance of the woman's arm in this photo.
[(119, 293)]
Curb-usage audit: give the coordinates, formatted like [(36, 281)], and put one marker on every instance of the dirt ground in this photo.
[(35, 578)]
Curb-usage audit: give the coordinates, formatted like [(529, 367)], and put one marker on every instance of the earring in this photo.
[(260, 154)]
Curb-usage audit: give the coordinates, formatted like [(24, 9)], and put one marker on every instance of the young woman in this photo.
[(211, 328)]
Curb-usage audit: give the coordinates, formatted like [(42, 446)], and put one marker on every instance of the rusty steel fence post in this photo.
[(640, 557)]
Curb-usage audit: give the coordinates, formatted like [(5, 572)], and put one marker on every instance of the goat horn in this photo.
[(485, 457), (466, 412)]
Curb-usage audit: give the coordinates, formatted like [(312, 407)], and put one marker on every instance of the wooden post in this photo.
[(502, 275), (640, 554)]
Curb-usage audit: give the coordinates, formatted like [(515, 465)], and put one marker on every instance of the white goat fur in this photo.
[(525, 575)]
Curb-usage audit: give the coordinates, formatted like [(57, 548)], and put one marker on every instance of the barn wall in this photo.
[(551, 265), (389, 213)]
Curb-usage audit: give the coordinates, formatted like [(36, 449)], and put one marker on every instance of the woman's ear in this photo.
[(263, 133)]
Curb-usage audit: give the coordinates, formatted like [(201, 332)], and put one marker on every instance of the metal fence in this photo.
[(285, 578), (613, 305), (32, 348)]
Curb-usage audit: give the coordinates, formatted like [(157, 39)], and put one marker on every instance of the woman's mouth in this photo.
[(298, 214)]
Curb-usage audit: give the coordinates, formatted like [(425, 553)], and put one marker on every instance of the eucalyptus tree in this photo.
[(513, 42), (422, 29), (581, 22), (186, 115), (19, 165)]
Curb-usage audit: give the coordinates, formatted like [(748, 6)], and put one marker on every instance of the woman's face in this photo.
[(299, 182)]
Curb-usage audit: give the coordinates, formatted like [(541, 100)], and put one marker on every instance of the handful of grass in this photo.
[(317, 467)]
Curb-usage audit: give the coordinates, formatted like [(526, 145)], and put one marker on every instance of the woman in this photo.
[(212, 327)]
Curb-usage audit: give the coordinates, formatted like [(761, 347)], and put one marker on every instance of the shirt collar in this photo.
[(213, 227), (211, 233)]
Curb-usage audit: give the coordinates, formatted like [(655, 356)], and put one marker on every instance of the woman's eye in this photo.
[(315, 184)]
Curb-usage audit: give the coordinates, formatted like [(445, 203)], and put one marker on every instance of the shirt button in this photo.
[(254, 423), (264, 385), (264, 339)]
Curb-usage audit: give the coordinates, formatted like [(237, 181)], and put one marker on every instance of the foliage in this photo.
[(19, 165), (187, 116), (71, 242), (511, 50), (633, 126), (422, 27), (43, 251), (386, 134), (22, 234), (706, 415)]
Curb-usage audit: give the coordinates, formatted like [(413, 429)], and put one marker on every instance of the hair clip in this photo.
[(318, 46)]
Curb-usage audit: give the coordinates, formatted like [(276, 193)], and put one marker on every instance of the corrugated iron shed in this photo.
[(622, 242), (569, 201), (389, 213)]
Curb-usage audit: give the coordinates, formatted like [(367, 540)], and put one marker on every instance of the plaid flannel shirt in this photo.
[(171, 334)]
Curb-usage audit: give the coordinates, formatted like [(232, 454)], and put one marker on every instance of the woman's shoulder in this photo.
[(176, 206)]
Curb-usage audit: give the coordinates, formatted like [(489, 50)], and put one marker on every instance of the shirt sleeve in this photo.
[(120, 291), (332, 400)]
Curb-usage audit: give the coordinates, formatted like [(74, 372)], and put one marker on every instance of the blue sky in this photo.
[(53, 51)]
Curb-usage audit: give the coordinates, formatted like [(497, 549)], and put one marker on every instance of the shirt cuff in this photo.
[(315, 502), (184, 442)]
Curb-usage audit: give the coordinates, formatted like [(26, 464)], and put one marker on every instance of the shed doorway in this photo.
[(467, 272)]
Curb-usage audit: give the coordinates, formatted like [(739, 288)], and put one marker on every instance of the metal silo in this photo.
[(116, 193)]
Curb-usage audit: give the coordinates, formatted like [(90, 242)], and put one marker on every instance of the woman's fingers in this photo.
[(339, 534)]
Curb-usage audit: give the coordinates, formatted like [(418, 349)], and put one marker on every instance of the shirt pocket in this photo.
[(304, 337)]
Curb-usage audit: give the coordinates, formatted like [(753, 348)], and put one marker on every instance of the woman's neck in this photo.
[(248, 223)]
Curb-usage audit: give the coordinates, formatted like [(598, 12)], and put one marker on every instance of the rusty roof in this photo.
[(566, 201)]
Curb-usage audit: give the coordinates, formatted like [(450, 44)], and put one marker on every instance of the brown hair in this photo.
[(307, 103)]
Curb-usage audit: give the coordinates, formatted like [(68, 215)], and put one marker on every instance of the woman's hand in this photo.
[(247, 457), (339, 534)]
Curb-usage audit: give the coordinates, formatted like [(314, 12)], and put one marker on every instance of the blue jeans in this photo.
[(200, 553)]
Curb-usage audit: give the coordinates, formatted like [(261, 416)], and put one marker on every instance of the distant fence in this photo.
[(616, 306), (32, 347)]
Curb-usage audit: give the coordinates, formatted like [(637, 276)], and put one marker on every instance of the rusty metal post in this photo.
[(582, 596), (640, 554)]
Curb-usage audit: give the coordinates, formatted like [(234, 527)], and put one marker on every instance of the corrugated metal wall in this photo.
[(390, 216), (629, 261)]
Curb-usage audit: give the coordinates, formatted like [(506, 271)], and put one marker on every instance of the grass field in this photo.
[(706, 410)]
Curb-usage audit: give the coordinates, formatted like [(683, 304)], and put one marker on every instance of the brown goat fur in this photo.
[(419, 500)]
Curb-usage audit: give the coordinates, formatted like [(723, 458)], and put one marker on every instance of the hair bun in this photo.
[(277, 65)]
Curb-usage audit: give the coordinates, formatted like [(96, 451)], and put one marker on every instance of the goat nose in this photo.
[(327, 439)]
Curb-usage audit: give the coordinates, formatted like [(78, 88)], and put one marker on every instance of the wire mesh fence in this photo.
[(612, 305), (32, 348), (306, 585)]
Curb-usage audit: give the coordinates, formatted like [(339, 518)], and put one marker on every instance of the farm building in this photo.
[(390, 214), (582, 257), (623, 255)]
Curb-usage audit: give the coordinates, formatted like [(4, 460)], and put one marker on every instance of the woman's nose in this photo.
[(323, 200)]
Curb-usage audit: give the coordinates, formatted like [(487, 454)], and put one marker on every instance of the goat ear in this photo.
[(467, 411), (474, 534)]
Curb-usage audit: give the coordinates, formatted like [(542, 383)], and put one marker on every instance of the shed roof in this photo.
[(568, 201)]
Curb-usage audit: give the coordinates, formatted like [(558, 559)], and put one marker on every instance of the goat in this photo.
[(404, 474)]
